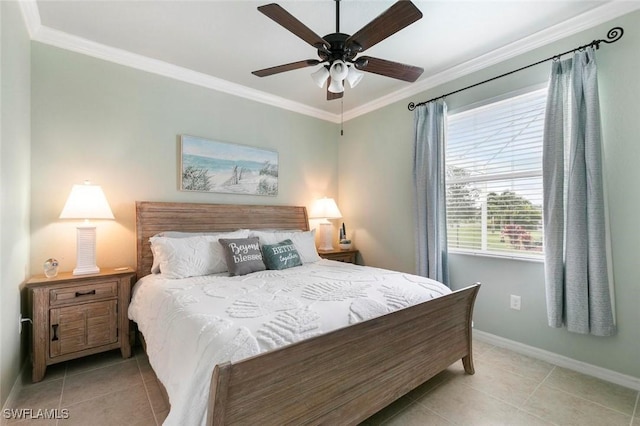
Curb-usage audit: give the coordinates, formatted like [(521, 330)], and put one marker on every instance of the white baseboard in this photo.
[(560, 360)]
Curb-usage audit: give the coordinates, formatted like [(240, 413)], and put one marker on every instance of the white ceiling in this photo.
[(218, 43)]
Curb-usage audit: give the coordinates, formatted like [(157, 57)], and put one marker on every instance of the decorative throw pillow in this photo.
[(305, 242), (243, 255), (214, 262), (282, 255), (187, 257)]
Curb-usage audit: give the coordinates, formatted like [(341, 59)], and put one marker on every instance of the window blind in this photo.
[(494, 177)]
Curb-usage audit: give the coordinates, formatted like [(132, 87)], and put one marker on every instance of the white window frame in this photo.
[(483, 251)]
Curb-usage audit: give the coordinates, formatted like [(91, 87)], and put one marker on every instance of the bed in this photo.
[(339, 377)]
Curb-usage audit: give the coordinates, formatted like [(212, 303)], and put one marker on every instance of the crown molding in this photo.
[(46, 35), (56, 38), (557, 32), (31, 16)]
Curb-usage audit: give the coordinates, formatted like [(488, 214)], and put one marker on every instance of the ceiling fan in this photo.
[(338, 51)]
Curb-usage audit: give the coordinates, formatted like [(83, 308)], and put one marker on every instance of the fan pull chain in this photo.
[(341, 116)]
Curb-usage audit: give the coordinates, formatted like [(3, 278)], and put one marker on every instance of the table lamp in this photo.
[(325, 209), (86, 202)]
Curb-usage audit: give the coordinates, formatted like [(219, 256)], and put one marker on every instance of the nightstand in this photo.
[(348, 256), (78, 315)]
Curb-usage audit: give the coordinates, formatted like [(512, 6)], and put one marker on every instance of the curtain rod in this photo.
[(613, 35)]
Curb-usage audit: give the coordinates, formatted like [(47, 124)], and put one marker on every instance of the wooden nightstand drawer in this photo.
[(77, 328), (83, 293)]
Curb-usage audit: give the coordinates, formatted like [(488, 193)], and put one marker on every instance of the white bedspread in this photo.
[(194, 323)]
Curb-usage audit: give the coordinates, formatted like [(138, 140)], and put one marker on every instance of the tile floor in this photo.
[(507, 389)]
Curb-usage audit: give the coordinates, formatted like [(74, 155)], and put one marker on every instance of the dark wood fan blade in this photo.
[(330, 95), (388, 68), (286, 67), (288, 21), (400, 15)]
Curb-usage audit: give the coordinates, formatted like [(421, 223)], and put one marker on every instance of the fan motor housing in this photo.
[(338, 48)]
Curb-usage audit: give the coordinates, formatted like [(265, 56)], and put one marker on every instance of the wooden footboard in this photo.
[(347, 375)]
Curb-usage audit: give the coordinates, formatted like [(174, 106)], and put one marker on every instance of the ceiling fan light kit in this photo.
[(337, 51)]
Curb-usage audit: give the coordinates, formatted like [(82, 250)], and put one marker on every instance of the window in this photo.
[(494, 177)]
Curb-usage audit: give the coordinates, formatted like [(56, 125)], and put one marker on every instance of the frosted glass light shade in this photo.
[(320, 77), (325, 208), (338, 72), (86, 202), (354, 76)]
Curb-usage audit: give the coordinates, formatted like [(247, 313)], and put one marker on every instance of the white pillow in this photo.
[(304, 241), (190, 256)]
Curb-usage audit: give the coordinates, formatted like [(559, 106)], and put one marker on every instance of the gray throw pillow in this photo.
[(243, 255), (281, 256)]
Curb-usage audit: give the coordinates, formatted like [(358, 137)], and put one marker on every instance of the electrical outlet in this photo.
[(515, 302)]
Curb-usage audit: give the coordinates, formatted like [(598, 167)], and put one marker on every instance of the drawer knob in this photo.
[(55, 332), (85, 293)]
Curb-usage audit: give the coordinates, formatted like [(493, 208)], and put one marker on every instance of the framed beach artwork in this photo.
[(213, 166)]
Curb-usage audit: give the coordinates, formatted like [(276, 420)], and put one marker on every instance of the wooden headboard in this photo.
[(155, 217)]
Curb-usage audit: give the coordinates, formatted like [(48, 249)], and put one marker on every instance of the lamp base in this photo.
[(86, 271), (86, 250), (326, 234)]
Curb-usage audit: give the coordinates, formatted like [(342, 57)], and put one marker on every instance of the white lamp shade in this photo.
[(320, 77), (86, 202), (338, 72), (325, 208), (354, 76)]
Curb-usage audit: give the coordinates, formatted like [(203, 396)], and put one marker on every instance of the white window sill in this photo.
[(496, 255)]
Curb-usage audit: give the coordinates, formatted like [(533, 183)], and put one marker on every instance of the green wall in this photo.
[(14, 186), (119, 127), (377, 153)]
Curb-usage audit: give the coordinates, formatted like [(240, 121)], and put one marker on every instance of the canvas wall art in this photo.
[(213, 166)]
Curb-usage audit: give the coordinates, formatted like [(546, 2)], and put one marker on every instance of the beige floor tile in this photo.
[(92, 362), (461, 404), (34, 422), (517, 363), (39, 395), (416, 415), (53, 372), (160, 417), (128, 406), (388, 412), (154, 393), (43, 395), (565, 409), (608, 394), (104, 380), (435, 381), (480, 347), (499, 383), (522, 418), (145, 368)]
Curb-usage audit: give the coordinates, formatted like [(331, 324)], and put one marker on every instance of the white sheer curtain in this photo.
[(579, 286), (429, 125)]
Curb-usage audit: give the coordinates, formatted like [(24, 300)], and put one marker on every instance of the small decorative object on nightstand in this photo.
[(347, 256), (345, 243), (74, 316)]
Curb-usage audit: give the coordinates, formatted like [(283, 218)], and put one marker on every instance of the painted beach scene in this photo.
[(212, 166)]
